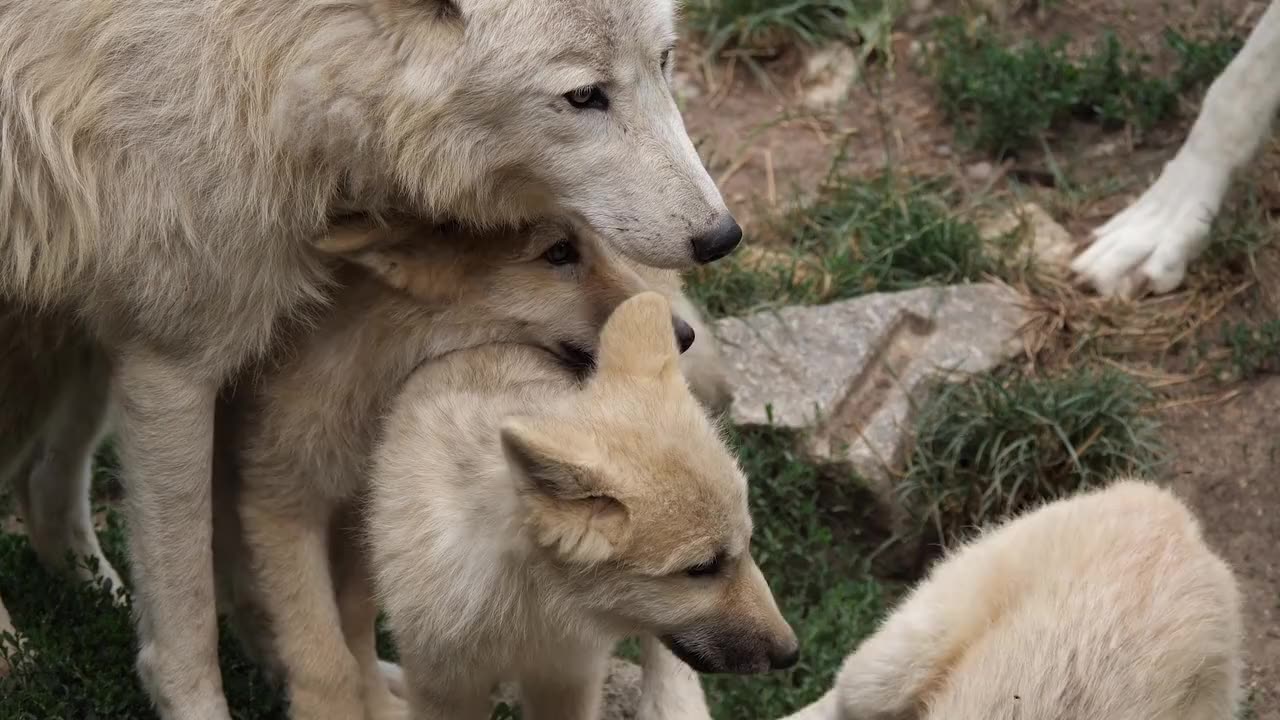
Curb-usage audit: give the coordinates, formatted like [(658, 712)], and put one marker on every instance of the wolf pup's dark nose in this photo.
[(684, 333), (717, 242), (785, 659)]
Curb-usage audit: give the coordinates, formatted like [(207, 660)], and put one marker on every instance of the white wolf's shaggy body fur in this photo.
[(555, 517), (1104, 605), (307, 424), (1146, 248), (163, 163)]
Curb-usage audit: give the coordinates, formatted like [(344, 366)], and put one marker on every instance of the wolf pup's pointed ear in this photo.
[(396, 255), (569, 508), (637, 339)]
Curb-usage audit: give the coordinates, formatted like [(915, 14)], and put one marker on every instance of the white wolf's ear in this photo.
[(570, 508), (637, 339), (396, 256)]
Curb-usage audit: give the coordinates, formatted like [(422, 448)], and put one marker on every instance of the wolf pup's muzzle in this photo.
[(738, 654)]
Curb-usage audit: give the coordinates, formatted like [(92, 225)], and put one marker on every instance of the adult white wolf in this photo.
[(163, 163)]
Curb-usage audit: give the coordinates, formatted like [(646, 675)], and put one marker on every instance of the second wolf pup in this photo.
[(305, 426), (522, 521), (1107, 605)]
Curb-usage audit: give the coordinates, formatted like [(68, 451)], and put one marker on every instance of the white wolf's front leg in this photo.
[(1148, 245), (166, 443)]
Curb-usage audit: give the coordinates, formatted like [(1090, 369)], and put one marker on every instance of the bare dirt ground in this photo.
[(767, 147), (1225, 461)]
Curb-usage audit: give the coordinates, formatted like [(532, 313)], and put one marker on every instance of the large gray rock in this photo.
[(850, 373)]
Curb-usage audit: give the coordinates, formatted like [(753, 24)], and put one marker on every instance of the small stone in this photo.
[(1043, 240), (943, 150), (828, 75), (979, 171)]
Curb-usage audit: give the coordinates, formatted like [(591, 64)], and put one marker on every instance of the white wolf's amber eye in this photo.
[(588, 97)]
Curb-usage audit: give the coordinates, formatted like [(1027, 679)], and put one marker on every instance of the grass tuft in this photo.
[(1007, 99), (1255, 349), (999, 443), (858, 237), (727, 24)]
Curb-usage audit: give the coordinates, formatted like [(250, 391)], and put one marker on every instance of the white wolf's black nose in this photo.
[(717, 242), (684, 333)]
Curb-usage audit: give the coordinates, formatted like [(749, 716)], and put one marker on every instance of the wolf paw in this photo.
[(1146, 248)]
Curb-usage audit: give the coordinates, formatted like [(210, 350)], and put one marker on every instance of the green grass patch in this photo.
[(804, 545), (78, 655), (1255, 349), (858, 237), (725, 24), (998, 443), (1006, 99)]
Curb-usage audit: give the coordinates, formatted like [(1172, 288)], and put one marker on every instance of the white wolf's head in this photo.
[(501, 110)]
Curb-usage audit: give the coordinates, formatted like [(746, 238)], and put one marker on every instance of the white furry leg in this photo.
[(826, 707), (1149, 244), (669, 689), (56, 502), (166, 443)]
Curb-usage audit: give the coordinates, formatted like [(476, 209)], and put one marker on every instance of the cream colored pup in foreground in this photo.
[(522, 522), (1104, 606), (307, 424)]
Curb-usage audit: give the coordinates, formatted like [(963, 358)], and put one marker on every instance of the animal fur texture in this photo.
[(1147, 247), (555, 516), (163, 164), (308, 423), (1104, 605)]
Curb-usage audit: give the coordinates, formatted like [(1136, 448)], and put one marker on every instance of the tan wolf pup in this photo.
[(163, 165), (522, 521), (306, 424), (1106, 605)]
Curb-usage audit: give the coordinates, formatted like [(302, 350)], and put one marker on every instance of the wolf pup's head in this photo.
[(503, 110), (640, 509), (550, 284)]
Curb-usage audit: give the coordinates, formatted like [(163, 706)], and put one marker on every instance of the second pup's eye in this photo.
[(706, 569), (562, 253)]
